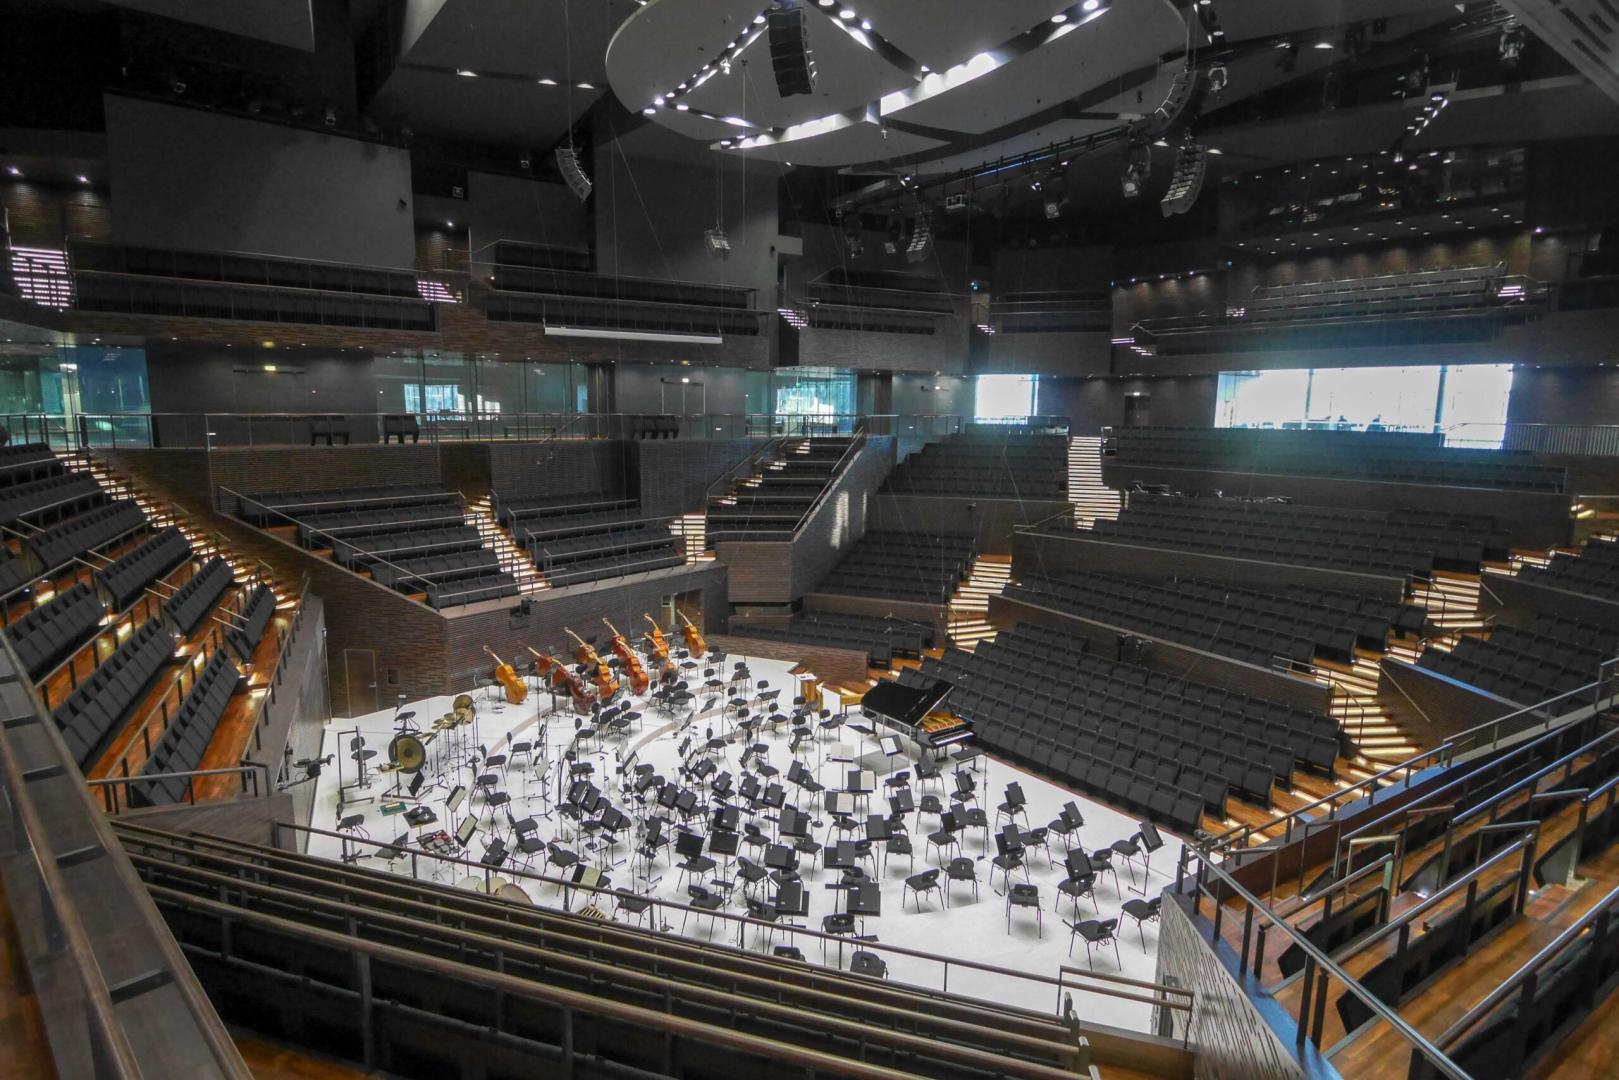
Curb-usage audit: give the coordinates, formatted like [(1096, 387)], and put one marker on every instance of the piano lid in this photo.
[(904, 704)]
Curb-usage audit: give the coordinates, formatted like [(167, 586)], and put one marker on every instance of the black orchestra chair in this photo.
[(1014, 807), (1143, 911), (1067, 824), (1025, 895), (961, 868), (1009, 845), (1096, 932), (1081, 880), (869, 964), (926, 881)]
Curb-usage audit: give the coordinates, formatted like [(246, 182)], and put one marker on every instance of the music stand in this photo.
[(890, 747), (464, 834), (1150, 842)]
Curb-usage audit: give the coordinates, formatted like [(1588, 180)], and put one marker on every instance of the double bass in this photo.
[(561, 678), (639, 680), (694, 639), (606, 685), (516, 689), (658, 648)]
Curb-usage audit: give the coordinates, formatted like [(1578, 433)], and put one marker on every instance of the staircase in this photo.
[(968, 610), (1361, 716), (1092, 499), (692, 529), (514, 559), (161, 515), (769, 504), (1453, 600)]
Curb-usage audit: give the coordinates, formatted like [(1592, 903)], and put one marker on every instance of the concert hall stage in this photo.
[(538, 786)]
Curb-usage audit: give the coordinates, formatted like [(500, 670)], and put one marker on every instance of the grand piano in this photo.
[(917, 713)]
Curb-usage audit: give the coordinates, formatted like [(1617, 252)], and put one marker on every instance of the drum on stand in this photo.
[(407, 753), (514, 892)]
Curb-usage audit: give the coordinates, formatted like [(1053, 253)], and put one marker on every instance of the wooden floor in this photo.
[(269, 1060), (234, 735), (24, 1051)]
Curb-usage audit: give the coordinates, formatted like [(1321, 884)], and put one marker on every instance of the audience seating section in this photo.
[(1553, 657), (881, 637), (45, 502), (1142, 739), (50, 633), (192, 602), (127, 577), (254, 617), (1394, 457), (1399, 543), (71, 539), (97, 706), (186, 738), (902, 566), (1593, 572), (994, 467)]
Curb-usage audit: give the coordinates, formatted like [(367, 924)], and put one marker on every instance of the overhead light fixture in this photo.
[(464, 73), (1090, 5), (13, 170), (632, 335), (1059, 18), (584, 86), (1053, 209), (1137, 167), (718, 245), (1323, 45), (546, 82), (84, 179)]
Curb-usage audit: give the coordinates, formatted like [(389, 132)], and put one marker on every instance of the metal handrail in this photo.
[(752, 457), (1451, 1035), (1317, 959), (250, 771), (857, 442)]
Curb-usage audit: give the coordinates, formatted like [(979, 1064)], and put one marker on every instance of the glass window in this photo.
[(1466, 402)]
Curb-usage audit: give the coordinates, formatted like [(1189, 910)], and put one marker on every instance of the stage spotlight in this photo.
[(894, 234), (1053, 209), (1190, 166), (1513, 38), (718, 245), (573, 174)]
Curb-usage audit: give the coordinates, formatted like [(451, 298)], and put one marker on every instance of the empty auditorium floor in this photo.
[(969, 929)]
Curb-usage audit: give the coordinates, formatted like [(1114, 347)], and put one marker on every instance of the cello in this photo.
[(563, 679), (657, 644), (694, 639), (606, 685), (516, 689), (639, 680)]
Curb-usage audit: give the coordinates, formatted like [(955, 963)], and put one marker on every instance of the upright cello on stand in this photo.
[(639, 680), (606, 684), (658, 649), (516, 689), (694, 639), (561, 678)]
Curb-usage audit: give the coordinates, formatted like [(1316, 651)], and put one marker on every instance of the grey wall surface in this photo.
[(501, 207), (675, 474), (212, 378), (1092, 404), (913, 395), (1564, 396), (184, 178), (656, 195), (640, 388)]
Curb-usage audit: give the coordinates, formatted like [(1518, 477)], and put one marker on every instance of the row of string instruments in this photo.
[(597, 680)]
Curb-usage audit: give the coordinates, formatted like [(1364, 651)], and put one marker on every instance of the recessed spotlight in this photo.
[(649, 111), (584, 86), (683, 107), (1323, 45), (13, 170), (1090, 5), (1059, 18), (758, 20), (449, 224), (465, 74), (84, 179), (846, 13), (546, 82)]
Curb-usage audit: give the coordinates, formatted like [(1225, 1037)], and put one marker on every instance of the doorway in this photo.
[(360, 677)]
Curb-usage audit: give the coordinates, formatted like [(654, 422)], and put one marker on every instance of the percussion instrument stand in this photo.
[(361, 782)]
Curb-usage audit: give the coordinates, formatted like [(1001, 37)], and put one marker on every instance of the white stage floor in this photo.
[(969, 930)]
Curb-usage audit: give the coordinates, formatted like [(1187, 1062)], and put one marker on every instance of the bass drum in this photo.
[(407, 753)]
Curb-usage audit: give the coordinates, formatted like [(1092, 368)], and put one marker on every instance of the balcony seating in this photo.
[(1142, 739), (1026, 467), (454, 592), (267, 508), (1554, 656), (98, 706), (1594, 571), (24, 463), (881, 637), (1401, 543), (15, 572), (587, 536), (359, 551), (127, 578), (901, 566), (582, 512), (1247, 625), (319, 528), (254, 617), (224, 266), (1427, 291), (414, 574), (1392, 457), (72, 538), (45, 502), (186, 738), (192, 602), (53, 631)]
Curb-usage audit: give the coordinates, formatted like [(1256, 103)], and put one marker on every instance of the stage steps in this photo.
[(514, 560), (692, 529), (1092, 498), (968, 608)]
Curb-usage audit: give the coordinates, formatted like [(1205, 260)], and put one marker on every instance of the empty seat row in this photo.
[(614, 564), (1594, 571), (278, 507), (186, 739), (321, 529), (243, 269), (70, 539), (25, 463), (51, 632), (881, 637), (1522, 666), (923, 569), (252, 619), (192, 602), (470, 590), (98, 706), (413, 575), (360, 550), (131, 573), (53, 499)]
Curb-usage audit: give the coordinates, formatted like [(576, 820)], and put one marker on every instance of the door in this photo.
[(360, 676)]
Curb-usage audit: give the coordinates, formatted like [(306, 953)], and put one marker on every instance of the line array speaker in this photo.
[(790, 56)]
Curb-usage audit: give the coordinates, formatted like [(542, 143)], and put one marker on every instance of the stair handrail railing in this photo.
[(856, 442), (730, 474)]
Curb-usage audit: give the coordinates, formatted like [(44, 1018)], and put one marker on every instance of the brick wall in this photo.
[(945, 351), (561, 467), (297, 468), (675, 475), (42, 216)]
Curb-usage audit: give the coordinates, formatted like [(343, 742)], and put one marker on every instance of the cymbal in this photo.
[(462, 701)]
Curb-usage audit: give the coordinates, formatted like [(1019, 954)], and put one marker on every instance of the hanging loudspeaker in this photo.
[(790, 56)]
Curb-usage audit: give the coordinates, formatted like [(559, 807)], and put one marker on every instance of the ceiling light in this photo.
[(584, 86), (826, 3), (865, 24), (1090, 5), (449, 224), (1217, 32), (1323, 44), (758, 20), (464, 73), (846, 13), (84, 179), (1059, 18), (546, 82), (683, 107), (13, 170), (649, 111)]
